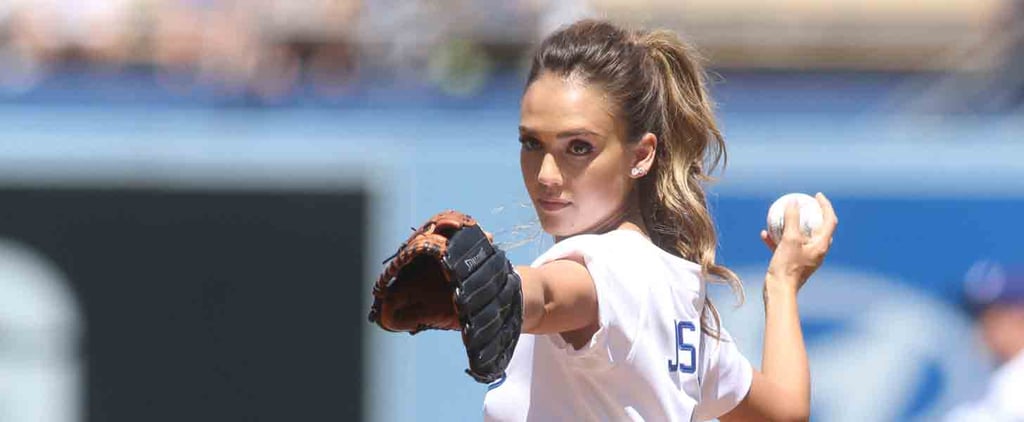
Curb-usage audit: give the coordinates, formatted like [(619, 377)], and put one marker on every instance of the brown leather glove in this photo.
[(449, 276)]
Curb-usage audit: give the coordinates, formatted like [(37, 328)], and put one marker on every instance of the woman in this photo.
[(618, 135)]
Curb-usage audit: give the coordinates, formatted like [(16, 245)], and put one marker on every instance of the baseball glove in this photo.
[(449, 276)]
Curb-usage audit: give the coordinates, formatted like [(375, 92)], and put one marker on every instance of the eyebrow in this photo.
[(563, 134)]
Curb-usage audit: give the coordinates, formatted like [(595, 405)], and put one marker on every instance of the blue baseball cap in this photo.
[(989, 283)]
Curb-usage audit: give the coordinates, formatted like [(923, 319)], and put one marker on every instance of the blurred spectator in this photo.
[(312, 39), (1011, 69), (996, 297), (994, 64)]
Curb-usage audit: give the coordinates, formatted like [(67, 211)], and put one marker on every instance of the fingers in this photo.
[(791, 225), (829, 220), (821, 241)]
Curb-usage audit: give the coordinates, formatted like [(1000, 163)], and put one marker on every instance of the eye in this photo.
[(529, 144), (577, 147)]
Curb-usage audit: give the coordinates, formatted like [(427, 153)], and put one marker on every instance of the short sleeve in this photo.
[(725, 379), (620, 303)]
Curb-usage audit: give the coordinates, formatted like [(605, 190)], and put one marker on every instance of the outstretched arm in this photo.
[(781, 391), (560, 297)]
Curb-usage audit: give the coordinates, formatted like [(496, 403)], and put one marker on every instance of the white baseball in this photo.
[(810, 215)]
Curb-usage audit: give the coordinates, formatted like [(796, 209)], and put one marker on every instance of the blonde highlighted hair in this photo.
[(658, 85)]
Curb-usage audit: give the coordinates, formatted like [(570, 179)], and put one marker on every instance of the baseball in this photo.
[(810, 215)]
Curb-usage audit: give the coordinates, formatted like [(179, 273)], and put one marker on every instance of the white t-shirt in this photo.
[(635, 367), (1004, 400)]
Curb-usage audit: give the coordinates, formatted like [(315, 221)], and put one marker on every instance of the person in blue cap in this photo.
[(995, 296)]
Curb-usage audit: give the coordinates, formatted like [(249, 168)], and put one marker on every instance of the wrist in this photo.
[(779, 296), (775, 286)]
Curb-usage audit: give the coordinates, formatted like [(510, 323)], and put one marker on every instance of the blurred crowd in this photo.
[(269, 48), (257, 45), (261, 47)]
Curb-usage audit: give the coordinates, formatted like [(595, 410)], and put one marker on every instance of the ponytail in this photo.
[(673, 201)]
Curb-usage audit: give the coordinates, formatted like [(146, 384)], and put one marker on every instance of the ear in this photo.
[(643, 154)]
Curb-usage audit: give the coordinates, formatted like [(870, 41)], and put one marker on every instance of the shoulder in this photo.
[(623, 253), (617, 245)]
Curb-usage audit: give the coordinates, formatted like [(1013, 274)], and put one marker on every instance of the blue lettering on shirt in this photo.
[(687, 348)]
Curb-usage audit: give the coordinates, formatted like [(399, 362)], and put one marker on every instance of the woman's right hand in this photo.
[(797, 256)]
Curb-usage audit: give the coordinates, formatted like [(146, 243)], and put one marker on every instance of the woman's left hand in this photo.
[(797, 256)]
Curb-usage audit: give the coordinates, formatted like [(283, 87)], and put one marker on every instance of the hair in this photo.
[(656, 83)]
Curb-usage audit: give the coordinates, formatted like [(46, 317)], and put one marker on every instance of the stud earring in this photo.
[(637, 172)]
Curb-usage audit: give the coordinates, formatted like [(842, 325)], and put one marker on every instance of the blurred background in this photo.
[(195, 195)]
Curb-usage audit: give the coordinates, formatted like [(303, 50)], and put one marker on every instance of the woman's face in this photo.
[(575, 159)]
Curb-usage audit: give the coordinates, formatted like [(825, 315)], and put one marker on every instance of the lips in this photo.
[(552, 204)]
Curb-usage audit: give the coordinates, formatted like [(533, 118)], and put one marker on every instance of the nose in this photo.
[(549, 175)]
